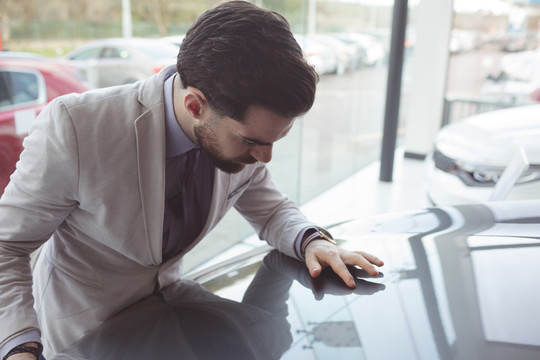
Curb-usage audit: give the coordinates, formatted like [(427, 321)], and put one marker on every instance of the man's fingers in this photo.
[(364, 260), (320, 254), (329, 257), (371, 258), (339, 267), (313, 266)]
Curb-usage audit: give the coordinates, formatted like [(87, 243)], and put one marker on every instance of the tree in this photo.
[(156, 11), (15, 13)]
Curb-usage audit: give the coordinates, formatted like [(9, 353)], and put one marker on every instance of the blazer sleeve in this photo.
[(276, 218), (40, 195)]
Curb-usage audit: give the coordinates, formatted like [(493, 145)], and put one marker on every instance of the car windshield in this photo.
[(92, 53)]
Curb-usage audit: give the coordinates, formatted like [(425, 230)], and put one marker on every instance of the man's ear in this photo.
[(195, 102)]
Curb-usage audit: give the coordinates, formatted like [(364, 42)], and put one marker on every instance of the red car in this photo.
[(27, 84)]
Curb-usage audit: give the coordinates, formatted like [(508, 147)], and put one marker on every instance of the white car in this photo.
[(119, 61), (372, 50), (347, 55), (173, 39), (470, 156), (318, 55), (517, 80)]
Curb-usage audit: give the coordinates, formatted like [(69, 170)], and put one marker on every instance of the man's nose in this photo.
[(262, 153)]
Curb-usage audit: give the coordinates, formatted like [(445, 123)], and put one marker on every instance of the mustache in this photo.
[(250, 160)]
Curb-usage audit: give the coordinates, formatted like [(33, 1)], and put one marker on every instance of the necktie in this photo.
[(186, 219)]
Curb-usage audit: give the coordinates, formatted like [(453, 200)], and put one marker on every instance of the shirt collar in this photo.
[(176, 140)]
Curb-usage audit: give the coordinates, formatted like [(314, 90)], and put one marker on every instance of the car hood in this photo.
[(493, 138), (458, 283)]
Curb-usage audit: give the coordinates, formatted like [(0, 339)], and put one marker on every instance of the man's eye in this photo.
[(247, 142)]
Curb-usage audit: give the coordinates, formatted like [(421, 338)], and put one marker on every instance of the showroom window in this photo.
[(494, 62), (347, 42)]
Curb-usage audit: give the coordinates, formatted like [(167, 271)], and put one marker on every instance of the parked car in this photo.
[(458, 283), (516, 79), (370, 49), (109, 62), (4, 54), (320, 56), (173, 39), (27, 84), (470, 156), (515, 42), (347, 55), (462, 41)]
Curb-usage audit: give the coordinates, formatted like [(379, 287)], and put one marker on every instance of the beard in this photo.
[(207, 139)]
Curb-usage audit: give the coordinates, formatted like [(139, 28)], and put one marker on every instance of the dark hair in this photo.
[(239, 55)]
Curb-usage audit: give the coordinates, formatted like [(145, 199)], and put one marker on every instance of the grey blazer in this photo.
[(89, 187)]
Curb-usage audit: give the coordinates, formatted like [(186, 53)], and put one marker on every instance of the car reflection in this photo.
[(186, 321)]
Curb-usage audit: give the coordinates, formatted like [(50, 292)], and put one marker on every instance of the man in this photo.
[(118, 184)]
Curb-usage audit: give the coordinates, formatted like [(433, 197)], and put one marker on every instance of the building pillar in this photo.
[(425, 103)]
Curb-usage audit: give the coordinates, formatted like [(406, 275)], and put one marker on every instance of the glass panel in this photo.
[(348, 44), (346, 41), (494, 57)]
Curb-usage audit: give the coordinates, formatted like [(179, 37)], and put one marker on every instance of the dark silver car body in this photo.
[(459, 283)]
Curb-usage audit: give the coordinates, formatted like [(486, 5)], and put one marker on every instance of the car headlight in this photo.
[(479, 175)]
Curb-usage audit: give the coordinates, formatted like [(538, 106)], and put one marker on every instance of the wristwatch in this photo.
[(36, 351), (318, 234)]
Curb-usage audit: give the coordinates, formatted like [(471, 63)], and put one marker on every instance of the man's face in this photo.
[(231, 145)]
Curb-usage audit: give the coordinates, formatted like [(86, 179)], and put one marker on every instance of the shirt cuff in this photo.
[(298, 242), (30, 336)]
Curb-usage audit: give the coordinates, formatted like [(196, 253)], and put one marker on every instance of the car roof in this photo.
[(136, 43), (64, 74), (123, 41), (41, 64), (19, 54)]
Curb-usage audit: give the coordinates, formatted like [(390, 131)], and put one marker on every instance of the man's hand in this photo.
[(321, 253)]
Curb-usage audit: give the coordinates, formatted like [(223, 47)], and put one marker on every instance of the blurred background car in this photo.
[(318, 55), (369, 48), (470, 156), (27, 84), (515, 42), (118, 61), (448, 290), (517, 77), (173, 39), (462, 41), (348, 56), (5, 54)]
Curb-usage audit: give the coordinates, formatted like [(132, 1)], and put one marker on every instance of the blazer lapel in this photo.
[(150, 137)]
